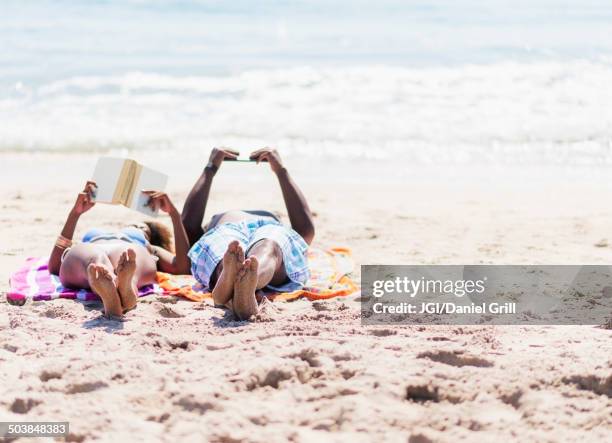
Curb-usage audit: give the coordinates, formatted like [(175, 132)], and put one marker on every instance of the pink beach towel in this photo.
[(33, 282)]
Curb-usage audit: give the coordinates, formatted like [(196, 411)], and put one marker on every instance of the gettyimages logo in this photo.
[(412, 288), (486, 294)]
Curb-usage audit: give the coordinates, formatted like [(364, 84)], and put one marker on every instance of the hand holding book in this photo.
[(160, 201), (85, 199), (121, 181)]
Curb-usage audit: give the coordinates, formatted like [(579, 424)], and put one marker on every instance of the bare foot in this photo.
[(128, 292), (232, 261), (101, 282), (244, 302)]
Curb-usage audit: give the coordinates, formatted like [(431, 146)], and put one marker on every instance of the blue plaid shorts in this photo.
[(206, 254)]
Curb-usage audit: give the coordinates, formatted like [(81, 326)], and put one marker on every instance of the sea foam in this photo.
[(540, 112)]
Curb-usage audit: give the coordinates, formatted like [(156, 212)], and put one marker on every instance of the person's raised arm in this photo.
[(177, 263), (83, 203), (299, 213), (195, 204)]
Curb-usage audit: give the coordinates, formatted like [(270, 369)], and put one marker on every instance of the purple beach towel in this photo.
[(34, 282)]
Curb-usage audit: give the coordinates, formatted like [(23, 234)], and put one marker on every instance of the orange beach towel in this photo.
[(329, 277)]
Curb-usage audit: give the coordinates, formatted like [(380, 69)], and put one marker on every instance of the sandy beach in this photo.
[(453, 132), (176, 370)]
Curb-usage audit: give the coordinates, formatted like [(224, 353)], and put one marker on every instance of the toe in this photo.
[(103, 273), (240, 253), (121, 262), (131, 254), (228, 252), (253, 264)]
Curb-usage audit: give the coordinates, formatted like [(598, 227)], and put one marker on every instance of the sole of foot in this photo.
[(232, 261), (101, 282), (126, 267), (245, 283)]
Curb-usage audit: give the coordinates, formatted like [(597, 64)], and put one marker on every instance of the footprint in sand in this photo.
[(49, 374), (590, 382), (82, 388), (382, 332), (456, 358), (24, 405), (169, 312)]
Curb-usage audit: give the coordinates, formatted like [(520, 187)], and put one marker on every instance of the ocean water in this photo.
[(463, 81)]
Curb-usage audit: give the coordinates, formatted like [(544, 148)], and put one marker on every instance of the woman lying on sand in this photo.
[(115, 264), (238, 252)]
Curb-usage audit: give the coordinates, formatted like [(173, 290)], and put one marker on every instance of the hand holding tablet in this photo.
[(244, 159)]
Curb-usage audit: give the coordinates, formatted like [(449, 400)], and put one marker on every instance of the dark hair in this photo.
[(161, 235)]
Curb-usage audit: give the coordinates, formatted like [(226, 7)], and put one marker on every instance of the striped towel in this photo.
[(33, 282), (329, 277)]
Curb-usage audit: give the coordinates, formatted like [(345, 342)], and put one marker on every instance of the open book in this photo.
[(121, 180)]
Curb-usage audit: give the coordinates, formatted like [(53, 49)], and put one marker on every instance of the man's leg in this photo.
[(271, 269), (233, 258), (264, 265)]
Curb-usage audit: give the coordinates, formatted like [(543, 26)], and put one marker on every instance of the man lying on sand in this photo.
[(239, 252), (115, 264)]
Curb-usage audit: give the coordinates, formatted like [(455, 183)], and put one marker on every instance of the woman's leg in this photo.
[(88, 267), (263, 266), (271, 269), (126, 280), (135, 268)]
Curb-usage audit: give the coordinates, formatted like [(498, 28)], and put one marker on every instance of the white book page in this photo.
[(150, 180), (106, 175)]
